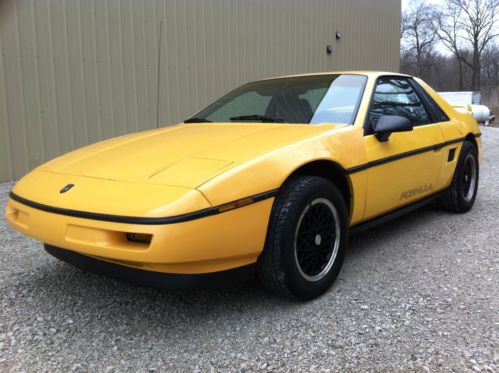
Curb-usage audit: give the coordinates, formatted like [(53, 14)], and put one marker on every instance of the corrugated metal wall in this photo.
[(74, 72)]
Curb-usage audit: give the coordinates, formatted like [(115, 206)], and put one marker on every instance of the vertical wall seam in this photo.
[(68, 74), (96, 71), (109, 68), (21, 87), (133, 76), (83, 89), (7, 140), (121, 65), (54, 86), (159, 71), (40, 123), (150, 120)]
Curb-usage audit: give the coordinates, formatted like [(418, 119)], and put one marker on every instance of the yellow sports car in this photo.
[(268, 181)]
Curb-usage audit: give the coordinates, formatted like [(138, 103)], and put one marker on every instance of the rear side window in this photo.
[(395, 96), (437, 113)]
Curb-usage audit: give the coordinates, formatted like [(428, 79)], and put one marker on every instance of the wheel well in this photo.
[(471, 138), (328, 170)]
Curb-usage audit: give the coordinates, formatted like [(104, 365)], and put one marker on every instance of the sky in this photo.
[(406, 3), (439, 47)]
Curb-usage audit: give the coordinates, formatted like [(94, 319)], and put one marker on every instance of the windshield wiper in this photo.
[(262, 118), (197, 120)]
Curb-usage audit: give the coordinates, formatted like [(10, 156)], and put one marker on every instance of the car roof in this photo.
[(371, 74)]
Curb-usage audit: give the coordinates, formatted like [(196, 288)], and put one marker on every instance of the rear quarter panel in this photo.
[(459, 125)]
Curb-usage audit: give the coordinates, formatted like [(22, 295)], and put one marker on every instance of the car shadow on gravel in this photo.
[(367, 242)]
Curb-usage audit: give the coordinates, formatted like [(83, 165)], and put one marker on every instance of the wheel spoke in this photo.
[(302, 232)]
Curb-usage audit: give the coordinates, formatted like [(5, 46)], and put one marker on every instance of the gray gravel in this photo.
[(418, 294)]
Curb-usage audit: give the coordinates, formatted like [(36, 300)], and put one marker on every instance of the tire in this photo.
[(460, 195), (306, 240)]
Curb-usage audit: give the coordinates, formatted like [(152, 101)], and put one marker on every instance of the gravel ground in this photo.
[(418, 294)]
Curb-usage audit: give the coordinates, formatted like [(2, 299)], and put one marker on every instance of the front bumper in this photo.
[(220, 242), (151, 278)]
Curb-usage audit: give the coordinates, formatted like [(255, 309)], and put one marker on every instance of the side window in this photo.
[(438, 114), (395, 96)]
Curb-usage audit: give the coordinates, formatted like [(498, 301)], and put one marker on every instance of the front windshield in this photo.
[(307, 99)]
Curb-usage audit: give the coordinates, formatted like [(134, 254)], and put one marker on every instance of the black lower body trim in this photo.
[(392, 215), (226, 278)]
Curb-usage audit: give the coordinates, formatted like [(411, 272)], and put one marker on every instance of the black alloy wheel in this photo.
[(461, 194), (306, 239)]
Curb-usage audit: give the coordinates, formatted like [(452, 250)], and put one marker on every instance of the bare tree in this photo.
[(490, 66), (447, 26), (419, 35), (466, 28)]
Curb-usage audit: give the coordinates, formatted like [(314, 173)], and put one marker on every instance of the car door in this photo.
[(404, 168)]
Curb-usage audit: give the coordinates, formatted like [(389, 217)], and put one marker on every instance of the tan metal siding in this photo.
[(73, 72)]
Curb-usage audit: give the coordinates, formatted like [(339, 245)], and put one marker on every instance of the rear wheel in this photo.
[(461, 194), (306, 240)]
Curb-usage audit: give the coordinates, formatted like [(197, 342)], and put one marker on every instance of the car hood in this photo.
[(185, 155)]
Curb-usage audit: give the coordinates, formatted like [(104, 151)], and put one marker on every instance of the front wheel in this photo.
[(461, 194), (306, 239)]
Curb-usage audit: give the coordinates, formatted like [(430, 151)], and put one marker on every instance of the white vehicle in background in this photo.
[(469, 102)]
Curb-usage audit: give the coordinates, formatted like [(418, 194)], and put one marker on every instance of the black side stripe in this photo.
[(410, 153), (148, 221)]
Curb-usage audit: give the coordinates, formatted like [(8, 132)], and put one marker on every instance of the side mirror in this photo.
[(391, 123)]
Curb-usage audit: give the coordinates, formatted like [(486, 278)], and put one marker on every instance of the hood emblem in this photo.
[(66, 188)]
